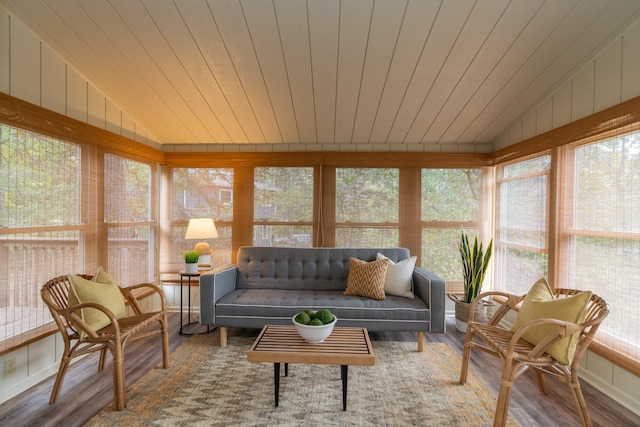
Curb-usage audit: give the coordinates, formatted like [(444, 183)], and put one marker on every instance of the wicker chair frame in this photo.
[(518, 355), (55, 293)]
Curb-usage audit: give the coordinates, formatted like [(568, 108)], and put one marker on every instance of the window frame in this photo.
[(483, 225), (267, 223), (501, 246), (378, 225), (613, 350), (91, 227)]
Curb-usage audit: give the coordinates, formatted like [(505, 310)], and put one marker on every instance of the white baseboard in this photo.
[(28, 382), (630, 402)]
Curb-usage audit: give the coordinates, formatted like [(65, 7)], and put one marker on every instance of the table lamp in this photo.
[(202, 228)]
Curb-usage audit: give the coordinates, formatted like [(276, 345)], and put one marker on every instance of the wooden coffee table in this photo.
[(282, 344)]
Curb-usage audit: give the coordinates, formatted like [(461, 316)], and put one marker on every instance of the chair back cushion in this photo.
[(321, 269), (101, 290), (540, 303)]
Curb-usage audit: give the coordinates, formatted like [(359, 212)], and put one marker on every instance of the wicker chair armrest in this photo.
[(135, 303), (74, 318), (506, 302), (563, 330)]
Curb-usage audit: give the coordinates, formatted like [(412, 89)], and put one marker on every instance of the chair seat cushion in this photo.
[(284, 304), (540, 303)]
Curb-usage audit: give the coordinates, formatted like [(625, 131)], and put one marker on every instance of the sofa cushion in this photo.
[(303, 268), (399, 280), (366, 279), (242, 306)]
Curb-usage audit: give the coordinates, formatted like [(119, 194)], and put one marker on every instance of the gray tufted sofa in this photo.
[(269, 285)]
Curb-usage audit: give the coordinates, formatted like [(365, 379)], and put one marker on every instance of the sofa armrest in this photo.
[(214, 285), (430, 288)]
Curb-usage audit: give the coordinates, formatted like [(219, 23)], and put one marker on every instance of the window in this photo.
[(195, 193), (58, 216), (602, 235), (130, 228), (367, 207), (283, 207), (40, 226), (450, 199), (521, 255)]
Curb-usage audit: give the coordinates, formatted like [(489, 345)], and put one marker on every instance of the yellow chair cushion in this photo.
[(367, 279), (103, 291), (540, 303)]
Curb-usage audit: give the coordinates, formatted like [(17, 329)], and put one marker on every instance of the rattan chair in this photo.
[(113, 337), (518, 355)]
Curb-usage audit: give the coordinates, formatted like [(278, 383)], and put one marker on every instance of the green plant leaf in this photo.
[(475, 262)]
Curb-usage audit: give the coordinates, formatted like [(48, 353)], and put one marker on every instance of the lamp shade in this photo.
[(201, 228)]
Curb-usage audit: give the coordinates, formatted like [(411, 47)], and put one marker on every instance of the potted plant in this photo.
[(475, 261), (191, 261)]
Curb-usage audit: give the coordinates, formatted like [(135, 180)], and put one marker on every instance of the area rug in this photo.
[(212, 386)]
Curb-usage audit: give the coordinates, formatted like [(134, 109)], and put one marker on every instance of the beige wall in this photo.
[(33, 72), (612, 77)]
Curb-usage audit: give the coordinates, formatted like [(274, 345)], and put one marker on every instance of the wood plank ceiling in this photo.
[(328, 72)]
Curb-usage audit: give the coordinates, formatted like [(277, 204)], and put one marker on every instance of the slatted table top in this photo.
[(282, 344)]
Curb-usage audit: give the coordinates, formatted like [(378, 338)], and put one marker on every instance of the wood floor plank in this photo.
[(85, 391)]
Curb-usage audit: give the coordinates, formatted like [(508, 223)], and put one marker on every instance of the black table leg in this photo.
[(344, 376), (286, 369), (276, 378)]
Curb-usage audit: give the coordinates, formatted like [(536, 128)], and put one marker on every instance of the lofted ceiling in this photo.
[(326, 71)]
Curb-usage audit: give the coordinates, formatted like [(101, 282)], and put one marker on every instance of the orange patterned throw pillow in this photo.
[(366, 279)]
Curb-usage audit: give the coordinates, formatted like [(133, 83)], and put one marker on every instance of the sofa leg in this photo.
[(420, 341), (223, 336)]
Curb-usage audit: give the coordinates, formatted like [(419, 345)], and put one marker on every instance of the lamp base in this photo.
[(204, 259)]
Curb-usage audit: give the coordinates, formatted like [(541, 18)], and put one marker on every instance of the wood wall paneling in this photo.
[(128, 127), (608, 77), (76, 96), (16, 112), (529, 125), (24, 63), (4, 51), (619, 118), (544, 117), (96, 107), (340, 159), (631, 63), (562, 106), (54, 82), (113, 118), (582, 93)]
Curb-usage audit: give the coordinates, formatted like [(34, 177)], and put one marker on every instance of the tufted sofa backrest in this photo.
[(303, 268)]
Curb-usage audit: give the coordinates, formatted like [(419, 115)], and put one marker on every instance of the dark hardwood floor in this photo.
[(85, 391)]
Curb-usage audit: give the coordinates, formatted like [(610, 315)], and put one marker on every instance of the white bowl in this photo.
[(314, 334)]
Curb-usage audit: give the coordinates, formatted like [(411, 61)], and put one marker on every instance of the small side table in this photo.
[(183, 326)]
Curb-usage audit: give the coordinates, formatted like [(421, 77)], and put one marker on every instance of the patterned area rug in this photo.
[(212, 386)]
